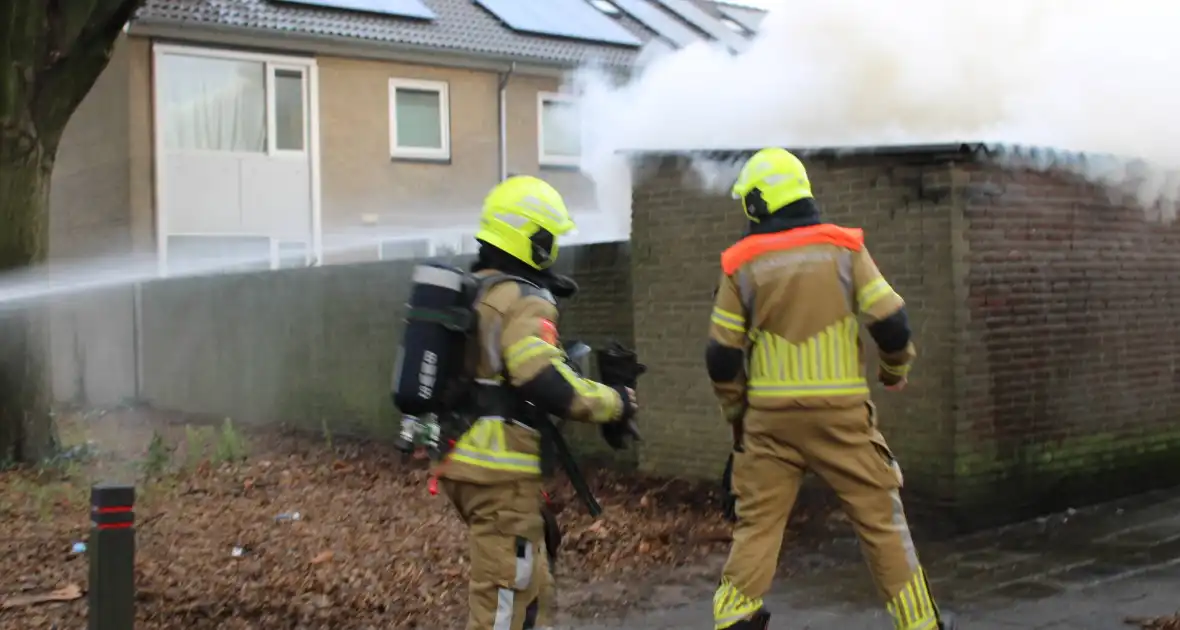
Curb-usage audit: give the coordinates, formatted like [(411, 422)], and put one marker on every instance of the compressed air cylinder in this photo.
[(432, 351)]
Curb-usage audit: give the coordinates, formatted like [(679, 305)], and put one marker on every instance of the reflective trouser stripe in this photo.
[(524, 564), (506, 597), (731, 606), (505, 600), (913, 608)]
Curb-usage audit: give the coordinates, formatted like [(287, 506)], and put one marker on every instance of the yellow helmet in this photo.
[(523, 216), (770, 180)]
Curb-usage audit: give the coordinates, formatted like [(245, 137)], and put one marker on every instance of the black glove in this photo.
[(728, 498), (620, 368), (614, 433)]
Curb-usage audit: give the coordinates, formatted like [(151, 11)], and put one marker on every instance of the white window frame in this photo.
[(276, 253), (431, 249), (311, 140), (271, 119), (545, 159), (442, 154), (272, 249), (270, 63)]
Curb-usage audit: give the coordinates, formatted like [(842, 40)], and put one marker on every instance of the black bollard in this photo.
[(112, 557)]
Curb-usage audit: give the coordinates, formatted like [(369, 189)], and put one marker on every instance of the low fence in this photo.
[(310, 348)]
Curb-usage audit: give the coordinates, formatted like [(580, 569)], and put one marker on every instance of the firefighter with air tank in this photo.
[(486, 343), (786, 362)]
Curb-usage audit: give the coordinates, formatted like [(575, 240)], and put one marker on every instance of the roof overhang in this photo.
[(262, 40), (834, 151), (950, 149)]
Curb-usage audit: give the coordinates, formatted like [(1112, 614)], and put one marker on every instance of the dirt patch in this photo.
[(220, 546)]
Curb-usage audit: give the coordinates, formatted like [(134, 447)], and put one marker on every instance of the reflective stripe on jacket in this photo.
[(518, 339), (787, 316)]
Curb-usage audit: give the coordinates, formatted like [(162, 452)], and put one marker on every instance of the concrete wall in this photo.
[(1047, 361), (316, 346), (100, 206)]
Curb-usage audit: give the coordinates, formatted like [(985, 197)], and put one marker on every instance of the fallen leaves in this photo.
[(67, 593), (371, 548), (322, 557)]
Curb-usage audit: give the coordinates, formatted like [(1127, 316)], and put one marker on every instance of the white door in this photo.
[(236, 158)]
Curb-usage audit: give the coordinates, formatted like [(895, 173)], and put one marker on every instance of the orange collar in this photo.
[(753, 246)]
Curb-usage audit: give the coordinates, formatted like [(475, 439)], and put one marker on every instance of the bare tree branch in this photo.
[(65, 81), (22, 31)]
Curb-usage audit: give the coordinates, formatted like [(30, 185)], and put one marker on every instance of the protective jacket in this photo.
[(518, 361), (797, 345)]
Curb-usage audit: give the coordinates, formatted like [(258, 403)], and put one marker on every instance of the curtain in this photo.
[(212, 104), (418, 116), (561, 128)]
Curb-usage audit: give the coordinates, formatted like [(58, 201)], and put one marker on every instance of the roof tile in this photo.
[(460, 26)]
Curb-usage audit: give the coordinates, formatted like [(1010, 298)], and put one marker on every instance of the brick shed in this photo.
[(1044, 319)]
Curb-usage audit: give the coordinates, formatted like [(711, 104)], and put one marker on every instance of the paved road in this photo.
[(1085, 570)]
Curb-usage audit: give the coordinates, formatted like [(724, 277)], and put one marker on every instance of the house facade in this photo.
[(274, 134), (256, 134)]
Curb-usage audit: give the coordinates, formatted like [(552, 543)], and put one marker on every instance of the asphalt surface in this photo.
[(1084, 570)]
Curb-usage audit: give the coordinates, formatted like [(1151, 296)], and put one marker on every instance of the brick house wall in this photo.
[(1046, 363), (1071, 388)]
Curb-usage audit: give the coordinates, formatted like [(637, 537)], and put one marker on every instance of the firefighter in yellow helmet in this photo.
[(786, 362), (493, 474)]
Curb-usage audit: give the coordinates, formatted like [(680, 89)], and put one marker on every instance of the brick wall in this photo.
[(1046, 362), (678, 234), (1071, 387), (601, 312)]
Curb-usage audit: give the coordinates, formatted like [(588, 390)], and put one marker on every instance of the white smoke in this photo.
[(1091, 80)]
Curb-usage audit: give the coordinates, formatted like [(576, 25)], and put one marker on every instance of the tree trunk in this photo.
[(26, 163), (51, 54)]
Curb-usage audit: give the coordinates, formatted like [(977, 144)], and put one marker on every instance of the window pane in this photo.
[(561, 130), (288, 110), (203, 255), (400, 250), (212, 104), (419, 119), (293, 255)]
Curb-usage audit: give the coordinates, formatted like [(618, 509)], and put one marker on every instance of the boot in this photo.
[(946, 621), (759, 621)]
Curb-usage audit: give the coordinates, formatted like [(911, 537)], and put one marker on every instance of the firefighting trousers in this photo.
[(845, 448), (509, 571)]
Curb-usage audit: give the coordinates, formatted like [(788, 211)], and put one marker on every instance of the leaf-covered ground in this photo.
[(219, 547)]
